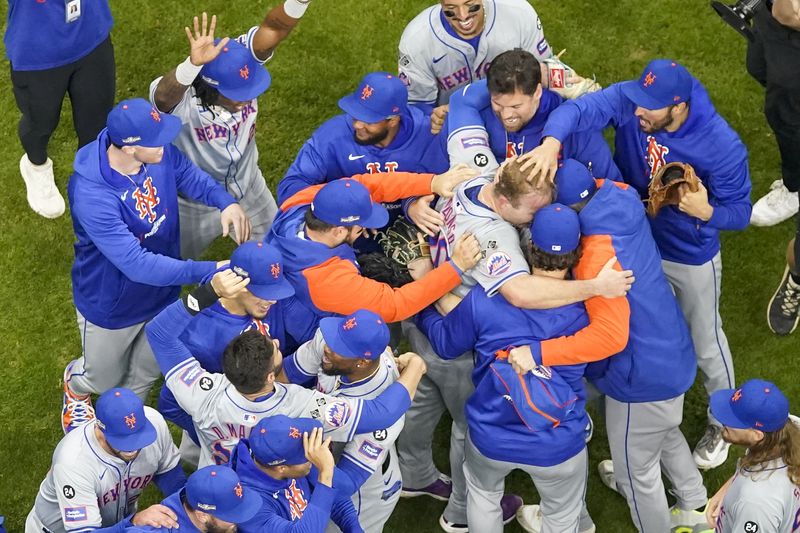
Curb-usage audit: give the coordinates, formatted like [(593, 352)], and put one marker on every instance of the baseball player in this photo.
[(503, 116), (505, 433), (124, 196), (379, 132), (489, 209), (349, 358), (453, 43), (214, 92), (288, 464), (665, 116), (645, 381), (257, 307), (214, 499), (764, 493), (315, 233), (100, 470), (225, 407)]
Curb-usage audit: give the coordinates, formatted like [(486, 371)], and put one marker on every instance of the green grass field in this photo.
[(334, 46)]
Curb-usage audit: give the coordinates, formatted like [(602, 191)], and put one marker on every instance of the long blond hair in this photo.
[(783, 444)]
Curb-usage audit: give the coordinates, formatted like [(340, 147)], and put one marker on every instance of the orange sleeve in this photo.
[(382, 186), (337, 286), (609, 319)]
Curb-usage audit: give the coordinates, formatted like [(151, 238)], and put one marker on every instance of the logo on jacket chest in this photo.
[(297, 500), (375, 167), (146, 200), (655, 155)]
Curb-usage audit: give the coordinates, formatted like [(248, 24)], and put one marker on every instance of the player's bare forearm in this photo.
[(539, 292), (787, 12), (275, 27), (447, 303), (412, 373), (169, 92)]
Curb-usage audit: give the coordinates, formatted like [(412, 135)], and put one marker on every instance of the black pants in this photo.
[(774, 60), (90, 82)]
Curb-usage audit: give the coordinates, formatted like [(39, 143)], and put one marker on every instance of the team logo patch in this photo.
[(146, 200), (75, 514), (155, 114), (370, 450), (498, 264), (191, 374), (130, 421), (649, 80), (238, 491), (380, 434), (366, 92), (206, 383), (470, 142), (275, 270), (751, 527), (336, 414), (481, 160), (69, 491), (244, 72), (350, 323), (656, 155)]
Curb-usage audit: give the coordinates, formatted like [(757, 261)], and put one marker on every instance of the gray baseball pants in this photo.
[(200, 224), (446, 385), (645, 438), (698, 289), (113, 358), (561, 490)]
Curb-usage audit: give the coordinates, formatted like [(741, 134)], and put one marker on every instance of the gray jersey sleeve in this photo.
[(754, 517), (193, 387), (470, 145), (339, 416), (77, 496), (414, 69), (502, 256), (534, 40), (308, 357), (369, 450)]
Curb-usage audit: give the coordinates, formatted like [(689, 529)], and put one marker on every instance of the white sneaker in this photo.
[(606, 471), (711, 451), (775, 206), (43, 195), (529, 518)]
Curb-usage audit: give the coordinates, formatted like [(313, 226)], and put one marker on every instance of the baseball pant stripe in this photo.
[(717, 328), (628, 467)]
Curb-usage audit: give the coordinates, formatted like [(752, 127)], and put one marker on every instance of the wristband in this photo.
[(295, 8), (200, 298), (186, 72)]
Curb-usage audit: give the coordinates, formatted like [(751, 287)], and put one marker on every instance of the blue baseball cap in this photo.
[(346, 202), (236, 73), (556, 229), (663, 83), (379, 96), (136, 122), (263, 264), (120, 416), (574, 182), (757, 404), (217, 490), (362, 335), (278, 440)]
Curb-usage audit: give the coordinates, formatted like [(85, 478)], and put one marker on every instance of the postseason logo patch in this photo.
[(471, 142), (75, 514), (370, 450), (336, 414), (498, 264)]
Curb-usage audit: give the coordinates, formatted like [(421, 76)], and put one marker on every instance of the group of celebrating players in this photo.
[(546, 282)]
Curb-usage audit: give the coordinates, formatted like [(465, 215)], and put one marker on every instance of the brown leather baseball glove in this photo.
[(664, 188)]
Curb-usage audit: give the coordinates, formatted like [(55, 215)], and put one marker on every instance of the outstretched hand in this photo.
[(201, 42)]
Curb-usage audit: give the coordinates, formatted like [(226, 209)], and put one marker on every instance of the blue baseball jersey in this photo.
[(488, 324), (127, 252), (705, 141), (471, 118), (38, 36)]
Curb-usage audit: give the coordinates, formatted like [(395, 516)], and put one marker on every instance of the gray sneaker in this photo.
[(782, 310), (711, 451)]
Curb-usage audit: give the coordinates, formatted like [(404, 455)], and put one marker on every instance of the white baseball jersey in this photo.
[(433, 62), (501, 243), (765, 501), (222, 416), (377, 497), (86, 488), (221, 143)]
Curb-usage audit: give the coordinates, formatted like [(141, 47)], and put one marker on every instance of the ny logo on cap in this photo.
[(350, 323), (294, 433), (244, 72), (238, 490), (737, 395), (275, 270), (130, 421), (366, 92), (156, 115), (650, 79)]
